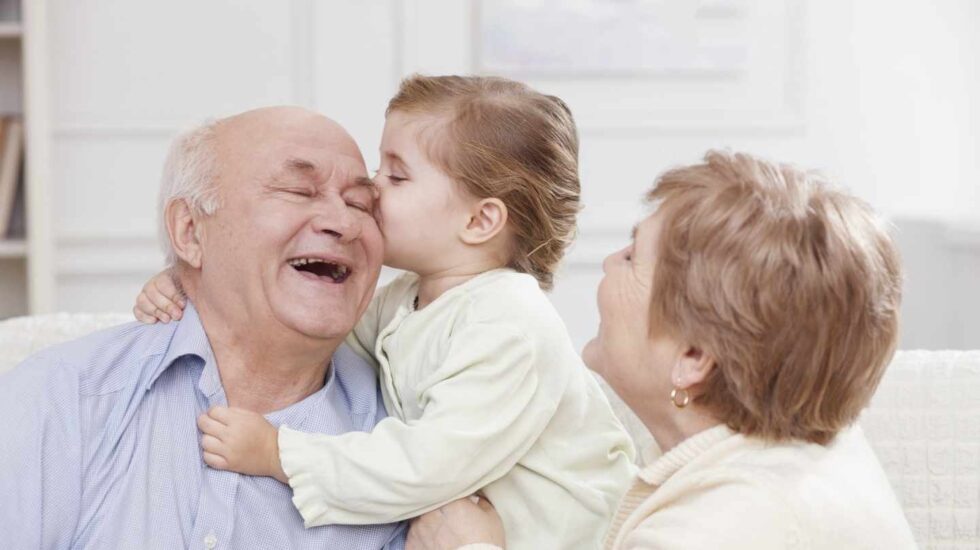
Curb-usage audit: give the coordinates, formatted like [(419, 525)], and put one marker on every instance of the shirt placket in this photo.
[(215, 521), (214, 524)]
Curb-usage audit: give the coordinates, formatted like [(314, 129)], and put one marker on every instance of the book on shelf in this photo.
[(9, 11), (11, 162), (17, 227)]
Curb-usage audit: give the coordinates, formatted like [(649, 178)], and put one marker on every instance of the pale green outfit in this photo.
[(485, 392)]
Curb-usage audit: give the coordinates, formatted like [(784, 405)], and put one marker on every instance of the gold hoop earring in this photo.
[(677, 393)]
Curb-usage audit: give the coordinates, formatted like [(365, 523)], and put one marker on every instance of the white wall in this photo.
[(880, 95)]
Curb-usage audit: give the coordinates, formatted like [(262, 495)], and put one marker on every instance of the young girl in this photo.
[(479, 193)]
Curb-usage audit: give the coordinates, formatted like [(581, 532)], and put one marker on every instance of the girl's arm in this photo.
[(483, 409)]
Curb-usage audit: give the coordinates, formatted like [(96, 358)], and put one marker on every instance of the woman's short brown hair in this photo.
[(791, 285), (500, 138)]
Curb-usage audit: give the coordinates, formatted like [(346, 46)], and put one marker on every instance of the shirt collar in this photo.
[(189, 339), (685, 452)]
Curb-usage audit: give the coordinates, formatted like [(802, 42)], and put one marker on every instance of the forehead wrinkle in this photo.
[(301, 166)]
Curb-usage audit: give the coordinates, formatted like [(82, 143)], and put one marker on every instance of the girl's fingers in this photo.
[(144, 304), (148, 306), (209, 425), (165, 284), (217, 462), (212, 444), (220, 414), (167, 296), (143, 317), (163, 304)]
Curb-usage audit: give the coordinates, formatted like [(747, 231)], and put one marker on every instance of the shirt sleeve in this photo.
[(399, 538), (721, 513), (40, 455), (483, 408)]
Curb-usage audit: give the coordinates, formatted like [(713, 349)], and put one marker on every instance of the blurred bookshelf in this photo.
[(10, 30), (25, 247), (13, 248)]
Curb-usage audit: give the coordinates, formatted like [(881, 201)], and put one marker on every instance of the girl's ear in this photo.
[(184, 232), (692, 368), (487, 218)]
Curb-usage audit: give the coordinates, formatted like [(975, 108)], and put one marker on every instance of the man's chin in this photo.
[(322, 323)]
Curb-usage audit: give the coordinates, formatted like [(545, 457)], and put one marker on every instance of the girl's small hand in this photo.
[(160, 300), (455, 525), (241, 441)]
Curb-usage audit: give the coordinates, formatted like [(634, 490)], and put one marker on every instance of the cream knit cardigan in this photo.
[(719, 489)]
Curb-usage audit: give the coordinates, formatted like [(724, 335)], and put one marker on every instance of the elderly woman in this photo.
[(747, 325)]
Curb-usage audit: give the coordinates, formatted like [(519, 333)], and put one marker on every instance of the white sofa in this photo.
[(924, 423)]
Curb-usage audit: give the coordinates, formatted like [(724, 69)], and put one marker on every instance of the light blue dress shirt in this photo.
[(99, 448)]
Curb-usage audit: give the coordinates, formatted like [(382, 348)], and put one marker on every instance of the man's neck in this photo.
[(265, 372)]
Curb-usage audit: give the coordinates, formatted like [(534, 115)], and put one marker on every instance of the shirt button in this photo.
[(210, 541)]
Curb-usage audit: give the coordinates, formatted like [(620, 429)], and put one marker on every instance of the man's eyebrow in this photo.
[(366, 182), (300, 165), (362, 182)]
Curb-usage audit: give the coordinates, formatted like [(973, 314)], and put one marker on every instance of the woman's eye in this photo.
[(301, 192), (396, 179), (359, 206)]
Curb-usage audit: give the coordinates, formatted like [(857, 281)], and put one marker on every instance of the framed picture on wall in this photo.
[(652, 66), (612, 37)]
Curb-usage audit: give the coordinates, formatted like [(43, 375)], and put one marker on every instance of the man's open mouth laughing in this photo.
[(321, 268)]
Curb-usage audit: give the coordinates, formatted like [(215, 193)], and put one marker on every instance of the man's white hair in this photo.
[(190, 173)]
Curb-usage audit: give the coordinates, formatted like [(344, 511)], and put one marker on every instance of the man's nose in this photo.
[(333, 217)]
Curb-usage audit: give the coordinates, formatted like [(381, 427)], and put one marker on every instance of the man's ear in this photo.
[(184, 230), (692, 368), (488, 217)]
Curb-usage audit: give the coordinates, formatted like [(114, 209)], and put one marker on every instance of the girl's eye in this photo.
[(396, 179)]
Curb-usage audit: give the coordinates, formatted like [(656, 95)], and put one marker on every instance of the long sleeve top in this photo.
[(719, 489), (99, 448), (486, 392)]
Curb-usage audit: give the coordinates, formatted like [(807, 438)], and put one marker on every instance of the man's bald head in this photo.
[(247, 129), (193, 169)]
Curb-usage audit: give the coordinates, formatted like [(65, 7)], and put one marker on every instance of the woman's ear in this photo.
[(692, 368), (487, 218), (184, 231)]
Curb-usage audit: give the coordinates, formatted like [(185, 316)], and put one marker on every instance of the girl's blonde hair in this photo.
[(500, 138)]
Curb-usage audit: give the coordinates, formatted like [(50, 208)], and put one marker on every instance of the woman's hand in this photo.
[(160, 300), (455, 525)]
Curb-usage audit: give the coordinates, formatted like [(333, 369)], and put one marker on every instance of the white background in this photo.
[(880, 95)]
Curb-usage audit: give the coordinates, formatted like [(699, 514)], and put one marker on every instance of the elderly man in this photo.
[(268, 219)]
